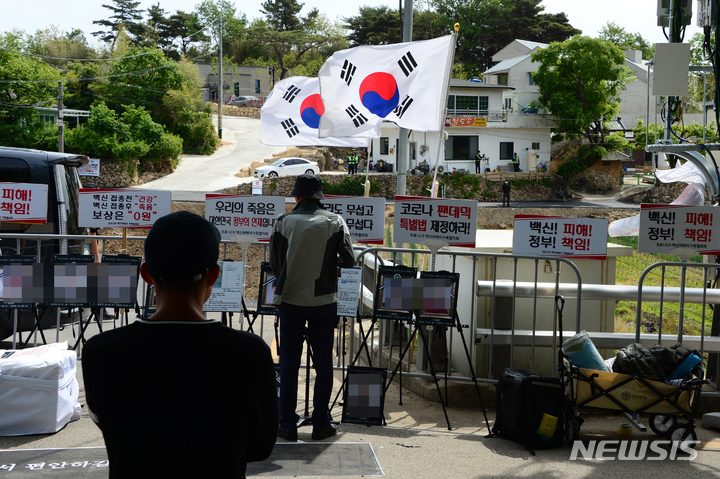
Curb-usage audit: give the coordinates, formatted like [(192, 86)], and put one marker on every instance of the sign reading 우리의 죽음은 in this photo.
[(23, 202), (560, 236), (241, 215), (665, 228)]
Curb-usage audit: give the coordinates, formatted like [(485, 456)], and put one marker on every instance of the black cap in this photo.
[(181, 247), (308, 186)]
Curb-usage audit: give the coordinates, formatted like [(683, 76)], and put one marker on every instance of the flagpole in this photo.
[(441, 138)]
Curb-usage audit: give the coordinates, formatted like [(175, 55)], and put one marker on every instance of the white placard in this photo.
[(560, 236), (23, 202), (122, 208), (349, 291), (242, 215), (226, 294), (91, 168), (418, 219), (257, 187), (365, 217), (664, 228)]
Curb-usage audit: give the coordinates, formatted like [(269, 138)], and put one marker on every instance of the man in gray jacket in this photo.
[(306, 248)]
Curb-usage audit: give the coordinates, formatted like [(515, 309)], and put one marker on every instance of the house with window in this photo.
[(514, 68), (238, 80), (476, 120)]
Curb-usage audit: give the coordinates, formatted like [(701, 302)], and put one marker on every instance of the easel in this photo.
[(16, 307)]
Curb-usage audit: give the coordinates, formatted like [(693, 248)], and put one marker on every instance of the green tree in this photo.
[(626, 41), (126, 14), (143, 80), (374, 26), (580, 81), (284, 15), (487, 26), (25, 83)]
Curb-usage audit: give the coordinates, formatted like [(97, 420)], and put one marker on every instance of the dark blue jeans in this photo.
[(321, 322)]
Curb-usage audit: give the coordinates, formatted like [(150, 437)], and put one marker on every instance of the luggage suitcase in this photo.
[(529, 409)]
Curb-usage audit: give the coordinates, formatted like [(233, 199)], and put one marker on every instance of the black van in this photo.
[(59, 172)]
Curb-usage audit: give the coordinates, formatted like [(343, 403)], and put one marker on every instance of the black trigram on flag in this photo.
[(402, 107), (291, 93), (355, 115), (290, 128), (407, 64), (348, 70)]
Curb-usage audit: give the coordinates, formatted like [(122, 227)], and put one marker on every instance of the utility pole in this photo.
[(403, 133), (61, 126), (220, 86)]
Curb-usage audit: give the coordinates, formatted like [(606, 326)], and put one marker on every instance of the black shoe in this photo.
[(289, 434), (107, 315), (324, 432)]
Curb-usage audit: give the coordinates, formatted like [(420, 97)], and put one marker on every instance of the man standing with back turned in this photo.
[(306, 248), (178, 395)]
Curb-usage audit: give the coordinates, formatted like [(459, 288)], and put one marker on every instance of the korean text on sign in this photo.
[(364, 217), (664, 228), (23, 202), (559, 236), (122, 208), (240, 215), (418, 220)]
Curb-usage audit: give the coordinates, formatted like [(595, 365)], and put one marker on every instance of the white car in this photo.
[(287, 167)]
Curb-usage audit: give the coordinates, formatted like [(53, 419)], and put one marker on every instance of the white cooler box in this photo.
[(38, 389)]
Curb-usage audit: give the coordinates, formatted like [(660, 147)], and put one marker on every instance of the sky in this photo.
[(636, 16)]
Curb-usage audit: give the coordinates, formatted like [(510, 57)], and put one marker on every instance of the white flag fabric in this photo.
[(291, 115), (405, 83)]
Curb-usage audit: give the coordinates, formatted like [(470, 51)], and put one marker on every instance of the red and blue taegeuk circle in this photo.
[(311, 110), (379, 93)]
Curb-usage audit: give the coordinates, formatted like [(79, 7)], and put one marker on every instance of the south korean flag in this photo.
[(405, 83), (291, 115)]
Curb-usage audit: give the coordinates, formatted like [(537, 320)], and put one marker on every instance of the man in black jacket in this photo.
[(178, 395)]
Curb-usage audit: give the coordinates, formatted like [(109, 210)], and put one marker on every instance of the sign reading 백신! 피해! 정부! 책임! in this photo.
[(560, 236), (419, 219), (365, 217), (666, 228), (23, 202), (243, 215), (122, 208)]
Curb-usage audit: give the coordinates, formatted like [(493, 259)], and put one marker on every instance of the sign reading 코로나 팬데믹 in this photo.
[(560, 236), (419, 219), (365, 217), (665, 228), (122, 208), (241, 215), (23, 203)]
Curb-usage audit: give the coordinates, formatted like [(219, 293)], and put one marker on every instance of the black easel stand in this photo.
[(460, 327), (84, 325), (36, 327), (363, 345)]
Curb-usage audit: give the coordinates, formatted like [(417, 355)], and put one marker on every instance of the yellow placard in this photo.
[(466, 122), (548, 425)]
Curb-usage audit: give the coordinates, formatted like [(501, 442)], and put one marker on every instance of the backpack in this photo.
[(529, 409)]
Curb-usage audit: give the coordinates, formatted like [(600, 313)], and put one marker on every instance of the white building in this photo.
[(514, 68), (476, 120)]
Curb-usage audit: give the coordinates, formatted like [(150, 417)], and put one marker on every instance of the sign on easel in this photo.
[(226, 294), (23, 203), (418, 219), (365, 217), (242, 215), (122, 207), (666, 228), (560, 236), (349, 291)]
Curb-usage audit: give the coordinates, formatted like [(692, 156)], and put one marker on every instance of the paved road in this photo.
[(197, 174)]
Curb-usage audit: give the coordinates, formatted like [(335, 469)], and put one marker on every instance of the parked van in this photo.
[(59, 172)]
